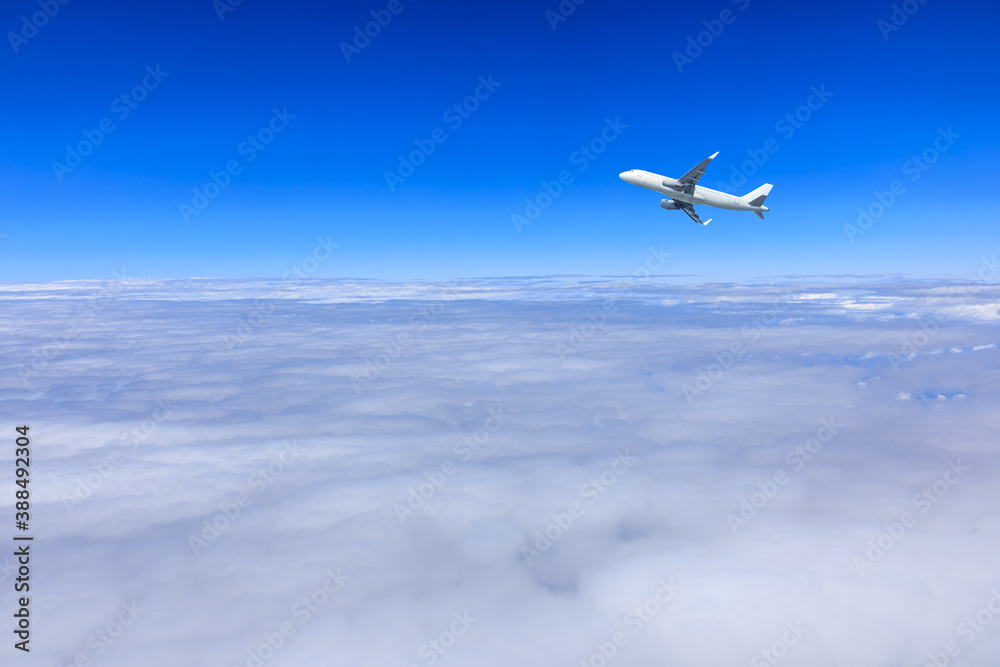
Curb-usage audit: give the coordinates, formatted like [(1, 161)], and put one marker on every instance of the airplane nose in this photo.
[(622, 175)]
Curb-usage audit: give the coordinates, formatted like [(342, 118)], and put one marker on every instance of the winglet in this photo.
[(712, 156), (708, 221)]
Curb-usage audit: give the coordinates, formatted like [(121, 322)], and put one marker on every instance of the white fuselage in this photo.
[(701, 194)]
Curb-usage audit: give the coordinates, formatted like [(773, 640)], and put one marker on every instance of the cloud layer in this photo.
[(535, 472)]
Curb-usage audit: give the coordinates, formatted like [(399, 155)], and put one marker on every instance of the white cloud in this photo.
[(781, 439)]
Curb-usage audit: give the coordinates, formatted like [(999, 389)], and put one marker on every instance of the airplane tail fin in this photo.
[(757, 197)]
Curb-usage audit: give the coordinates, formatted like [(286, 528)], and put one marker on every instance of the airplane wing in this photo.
[(687, 208), (687, 182)]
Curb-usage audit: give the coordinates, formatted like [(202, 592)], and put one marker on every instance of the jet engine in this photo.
[(669, 204)]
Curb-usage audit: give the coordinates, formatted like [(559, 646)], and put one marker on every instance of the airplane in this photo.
[(685, 192)]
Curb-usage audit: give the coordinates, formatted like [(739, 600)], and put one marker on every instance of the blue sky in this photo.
[(891, 95)]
